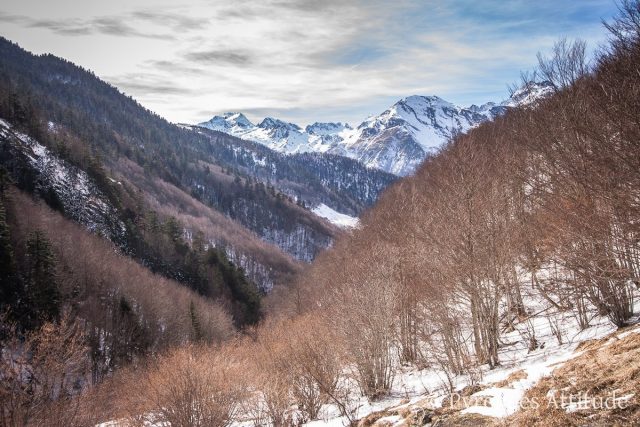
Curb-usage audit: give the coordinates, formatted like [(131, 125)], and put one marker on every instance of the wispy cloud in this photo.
[(218, 56), (171, 67), (124, 25), (151, 86), (304, 60), (12, 19), (177, 21)]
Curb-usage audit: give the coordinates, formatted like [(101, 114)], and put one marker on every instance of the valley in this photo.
[(432, 265)]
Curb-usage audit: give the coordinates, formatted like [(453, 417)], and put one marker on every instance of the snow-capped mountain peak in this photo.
[(319, 128), (482, 108), (418, 102), (395, 141), (271, 123), (279, 131), (529, 93), (229, 121)]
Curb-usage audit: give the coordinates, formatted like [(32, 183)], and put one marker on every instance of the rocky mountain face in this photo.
[(62, 185), (396, 141)]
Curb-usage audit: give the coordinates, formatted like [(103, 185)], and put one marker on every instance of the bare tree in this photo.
[(42, 375), (567, 63)]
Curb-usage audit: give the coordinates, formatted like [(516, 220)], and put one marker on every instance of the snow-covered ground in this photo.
[(335, 217), (501, 390), (527, 367), (503, 387)]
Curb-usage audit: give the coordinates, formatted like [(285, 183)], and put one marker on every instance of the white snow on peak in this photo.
[(417, 102), (396, 141), (326, 128), (335, 217), (271, 123), (528, 94), (229, 122)]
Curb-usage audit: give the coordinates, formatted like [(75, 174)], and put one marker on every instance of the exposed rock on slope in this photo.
[(59, 183)]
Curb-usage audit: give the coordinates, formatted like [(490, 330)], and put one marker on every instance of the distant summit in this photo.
[(396, 141)]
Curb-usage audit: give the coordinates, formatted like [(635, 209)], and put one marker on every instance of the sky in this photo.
[(301, 60)]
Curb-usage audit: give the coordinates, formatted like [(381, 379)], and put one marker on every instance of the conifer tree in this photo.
[(42, 294), (9, 285), (195, 323)]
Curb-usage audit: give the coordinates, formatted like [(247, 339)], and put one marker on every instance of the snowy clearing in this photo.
[(335, 217)]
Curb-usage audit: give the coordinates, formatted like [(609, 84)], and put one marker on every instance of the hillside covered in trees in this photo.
[(525, 223), (141, 161)]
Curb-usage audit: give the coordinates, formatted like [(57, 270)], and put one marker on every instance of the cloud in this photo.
[(12, 19), (172, 67), (300, 59), (177, 21), (329, 57), (124, 25), (309, 60), (112, 26), (64, 28), (146, 85), (219, 56), (116, 27)]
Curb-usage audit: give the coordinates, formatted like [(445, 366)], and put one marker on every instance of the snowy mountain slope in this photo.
[(488, 397), (529, 94), (59, 183), (421, 397), (396, 141), (277, 135), (399, 139), (427, 395)]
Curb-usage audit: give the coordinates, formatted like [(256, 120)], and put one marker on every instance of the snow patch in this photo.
[(335, 217), (78, 194)]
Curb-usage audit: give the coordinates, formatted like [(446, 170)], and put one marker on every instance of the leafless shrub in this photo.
[(42, 375), (191, 387)]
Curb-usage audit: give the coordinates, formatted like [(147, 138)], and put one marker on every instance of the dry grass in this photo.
[(422, 413), (607, 365), (513, 377), (372, 419), (419, 417)]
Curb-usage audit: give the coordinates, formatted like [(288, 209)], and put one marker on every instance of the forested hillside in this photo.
[(54, 268), (310, 178), (137, 159), (507, 249), (155, 238), (532, 217)]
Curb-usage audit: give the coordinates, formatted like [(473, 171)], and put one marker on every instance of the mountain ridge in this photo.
[(395, 141), (253, 203)]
